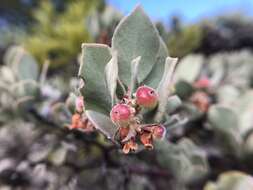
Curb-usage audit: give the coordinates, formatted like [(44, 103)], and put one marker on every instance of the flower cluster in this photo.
[(201, 98), (79, 120), (202, 83), (125, 115)]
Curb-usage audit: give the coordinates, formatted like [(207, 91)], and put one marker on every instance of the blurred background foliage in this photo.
[(33, 144), (183, 40), (51, 28), (56, 35)]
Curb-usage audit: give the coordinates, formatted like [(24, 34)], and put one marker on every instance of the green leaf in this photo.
[(10, 55), (111, 75), (58, 156), (154, 77), (136, 36), (7, 75), (23, 64), (243, 107), (24, 103), (232, 180), (25, 88), (134, 71), (227, 94), (185, 160), (102, 123), (184, 89), (174, 102), (248, 144), (225, 122), (223, 118), (189, 68), (92, 70), (71, 102), (61, 114), (164, 87)]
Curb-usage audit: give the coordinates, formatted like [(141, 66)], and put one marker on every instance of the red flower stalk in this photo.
[(81, 122), (130, 145), (149, 133)]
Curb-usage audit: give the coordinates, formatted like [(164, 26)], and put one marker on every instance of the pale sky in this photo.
[(188, 10)]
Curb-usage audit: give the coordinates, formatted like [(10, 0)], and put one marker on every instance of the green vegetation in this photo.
[(185, 41), (57, 35)]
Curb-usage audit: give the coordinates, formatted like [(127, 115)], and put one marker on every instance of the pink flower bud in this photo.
[(79, 104), (203, 82), (159, 132), (121, 114), (146, 97)]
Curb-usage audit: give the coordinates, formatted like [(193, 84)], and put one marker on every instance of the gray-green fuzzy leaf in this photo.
[(111, 75), (25, 88), (134, 71), (164, 87), (243, 107), (154, 77), (232, 180), (189, 68), (22, 63), (102, 123), (71, 102), (136, 36), (7, 74), (92, 70), (10, 55), (185, 160), (173, 103), (225, 122), (61, 114)]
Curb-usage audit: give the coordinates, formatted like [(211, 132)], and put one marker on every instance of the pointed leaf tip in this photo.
[(136, 36), (93, 62), (102, 123), (165, 86), (111, 75)]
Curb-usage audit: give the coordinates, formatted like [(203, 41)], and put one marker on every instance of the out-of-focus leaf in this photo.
[(185, 160), (184, 89), (228, 95), (22, 63), (232, 180), (58, 156), (244, 108), (61, 114), (7, 74), (71, 102), (189, 68), (225, 122), (25, 88), (174, 102)]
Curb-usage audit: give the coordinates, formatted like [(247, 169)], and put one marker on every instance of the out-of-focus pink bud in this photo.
[(79, 104)]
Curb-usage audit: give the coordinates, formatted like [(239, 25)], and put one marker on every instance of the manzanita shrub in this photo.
[(127, 87), (128, 95), (197, 118)]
